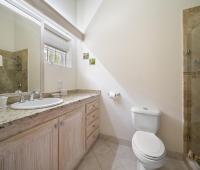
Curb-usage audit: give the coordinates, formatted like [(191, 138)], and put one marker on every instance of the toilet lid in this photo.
[(149, 144)]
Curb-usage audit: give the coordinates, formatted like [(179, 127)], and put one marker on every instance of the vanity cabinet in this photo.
[(58, 144), (35, 149), (92, 123), (71, 139)]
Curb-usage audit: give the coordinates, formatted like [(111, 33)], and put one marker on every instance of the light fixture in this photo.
[(23, 8), (15, 7)]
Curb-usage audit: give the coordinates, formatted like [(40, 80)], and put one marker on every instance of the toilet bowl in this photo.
[(148, 148)]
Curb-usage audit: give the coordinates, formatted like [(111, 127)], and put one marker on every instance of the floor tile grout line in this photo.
[(108, 145), (112, 148), (99, 164), (96, 155)]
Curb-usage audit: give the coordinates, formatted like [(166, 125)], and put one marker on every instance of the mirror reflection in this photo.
[(19, 52)]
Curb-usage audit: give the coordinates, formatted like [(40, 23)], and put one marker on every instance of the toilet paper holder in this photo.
[(113, 94)]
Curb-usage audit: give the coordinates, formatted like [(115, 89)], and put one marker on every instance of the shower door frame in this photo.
[(191, 18)]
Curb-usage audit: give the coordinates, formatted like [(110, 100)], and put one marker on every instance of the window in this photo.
[(55, 56)]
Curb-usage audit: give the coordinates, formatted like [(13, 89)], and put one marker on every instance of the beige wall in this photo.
[(28, 36), (67, 8), (86, 9), (7, 30), (138, 46), (56, 77)]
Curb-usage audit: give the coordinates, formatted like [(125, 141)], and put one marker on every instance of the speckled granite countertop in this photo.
[(9, 115)]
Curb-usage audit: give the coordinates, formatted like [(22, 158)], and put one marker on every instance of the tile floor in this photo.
[(106, 155)]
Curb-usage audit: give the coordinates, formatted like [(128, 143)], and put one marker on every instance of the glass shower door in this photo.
[(191, 23), (195, 91)]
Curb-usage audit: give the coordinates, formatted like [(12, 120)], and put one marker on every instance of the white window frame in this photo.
[(63, 53)]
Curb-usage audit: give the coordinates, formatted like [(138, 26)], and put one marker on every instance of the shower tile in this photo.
[(14, 73)]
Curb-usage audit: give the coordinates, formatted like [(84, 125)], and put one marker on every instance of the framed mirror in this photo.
[(20, 52)]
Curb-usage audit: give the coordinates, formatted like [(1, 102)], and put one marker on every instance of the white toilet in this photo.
[(148, 148)]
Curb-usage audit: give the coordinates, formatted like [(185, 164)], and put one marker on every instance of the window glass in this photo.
[(55, 56)]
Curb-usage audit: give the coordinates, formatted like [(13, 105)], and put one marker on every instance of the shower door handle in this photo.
[(188, 52)]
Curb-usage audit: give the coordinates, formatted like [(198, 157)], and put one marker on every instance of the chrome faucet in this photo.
[(20, 93), (40, 95), (32, 94)]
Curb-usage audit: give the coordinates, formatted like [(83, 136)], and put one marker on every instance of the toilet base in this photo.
[(141, 167)]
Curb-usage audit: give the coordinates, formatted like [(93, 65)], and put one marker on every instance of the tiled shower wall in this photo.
[(14, 73), (191, 21)]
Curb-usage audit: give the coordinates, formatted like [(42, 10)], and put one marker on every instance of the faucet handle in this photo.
[(18, 92), (34, 92), (40, 94)]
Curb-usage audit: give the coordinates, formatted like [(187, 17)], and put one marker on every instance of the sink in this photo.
[(37, 104)]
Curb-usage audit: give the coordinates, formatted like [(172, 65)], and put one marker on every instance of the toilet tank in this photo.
[(146, 119)]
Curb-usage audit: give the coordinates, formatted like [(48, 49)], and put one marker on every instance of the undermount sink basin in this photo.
[(37, 104)]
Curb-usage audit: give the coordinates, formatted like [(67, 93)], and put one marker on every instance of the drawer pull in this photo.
[(90, 107)]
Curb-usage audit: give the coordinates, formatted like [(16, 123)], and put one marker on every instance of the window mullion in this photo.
[(56, 56)]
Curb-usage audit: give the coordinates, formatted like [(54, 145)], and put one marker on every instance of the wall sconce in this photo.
[(1, 61)]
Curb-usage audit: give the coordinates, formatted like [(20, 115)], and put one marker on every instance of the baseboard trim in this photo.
[(176, 155)]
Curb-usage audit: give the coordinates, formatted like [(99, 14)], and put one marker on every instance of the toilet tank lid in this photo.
[(146, 110)]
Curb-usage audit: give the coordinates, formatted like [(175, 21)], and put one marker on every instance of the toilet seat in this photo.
[(148, 145)]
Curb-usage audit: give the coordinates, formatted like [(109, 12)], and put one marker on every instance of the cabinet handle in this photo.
[(56, 125), (61, 123)]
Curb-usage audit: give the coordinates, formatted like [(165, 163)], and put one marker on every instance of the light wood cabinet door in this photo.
[(35, 149), (71, 139)]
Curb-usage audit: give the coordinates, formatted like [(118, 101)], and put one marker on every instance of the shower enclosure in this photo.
[(191, 24)]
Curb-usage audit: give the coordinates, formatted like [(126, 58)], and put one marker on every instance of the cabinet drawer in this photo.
[(92, 117), (90, 107), (92, 127), (92, 138)]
